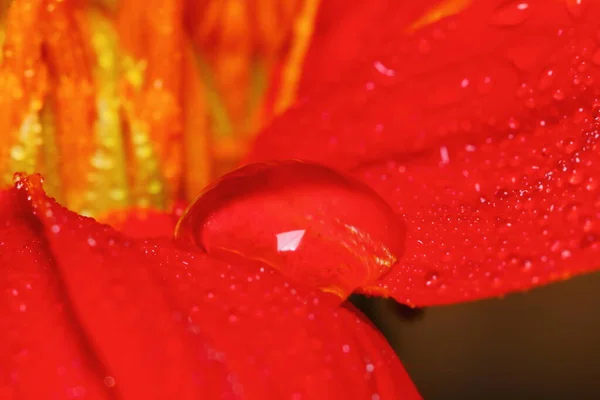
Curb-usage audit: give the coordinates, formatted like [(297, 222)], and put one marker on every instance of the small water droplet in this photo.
[(382, 69), (485, 85), (424, 46), (576, 177), (592, 184), (109, 381), (511, 13), (577, 8), (596, 57), (311, 222), (530, 103), (431, 279), (546, 79), (558, 95), (589, 240)]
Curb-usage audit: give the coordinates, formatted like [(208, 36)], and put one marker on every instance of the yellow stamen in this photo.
[(23, 82), (117, 108), (442, 10), (108, 175), (197, 141), (49, 160), (303, 30)]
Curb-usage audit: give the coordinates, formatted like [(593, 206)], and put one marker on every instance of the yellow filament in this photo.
[(442, 10), (108, 175), (303, 30)]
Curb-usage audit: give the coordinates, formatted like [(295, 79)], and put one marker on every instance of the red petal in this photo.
[(120, 305), (485, 141), (345, 34), (171, 324), (43, 353), (143, 223)]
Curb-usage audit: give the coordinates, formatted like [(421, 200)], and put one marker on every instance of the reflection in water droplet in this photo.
[(312, 223), (289, 241), (511, 13)]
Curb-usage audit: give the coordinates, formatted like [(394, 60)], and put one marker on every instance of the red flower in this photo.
[(89, 311), (479, 130)]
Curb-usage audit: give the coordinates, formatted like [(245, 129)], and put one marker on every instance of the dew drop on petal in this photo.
[(314, 224), (431, 278), (511, 13), (596, 57), (576, 8)]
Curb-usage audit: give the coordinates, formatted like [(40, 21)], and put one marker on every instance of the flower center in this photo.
[(140, 103)]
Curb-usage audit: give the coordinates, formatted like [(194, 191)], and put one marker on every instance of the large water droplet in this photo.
[(314, 224), (511, 13)]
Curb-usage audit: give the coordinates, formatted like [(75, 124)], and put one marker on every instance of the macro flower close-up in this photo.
[(229, 199)]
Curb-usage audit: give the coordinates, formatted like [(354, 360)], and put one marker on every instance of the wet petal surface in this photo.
[(484, 140), (165, 323)]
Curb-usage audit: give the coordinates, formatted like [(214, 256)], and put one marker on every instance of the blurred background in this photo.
[(543, 344)]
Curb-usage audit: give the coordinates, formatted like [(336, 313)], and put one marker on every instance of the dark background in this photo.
[(544, 344)]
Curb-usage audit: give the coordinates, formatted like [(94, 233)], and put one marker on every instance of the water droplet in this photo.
[(589, 240), (109, 381), (558, 95), (576, 177), (511, 13), (382, 69), (431, 279), (576, 8), (513, 123), (311, 222), (424, 46), (485, 85), (546, 79), (596, 57), (592, 184)]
